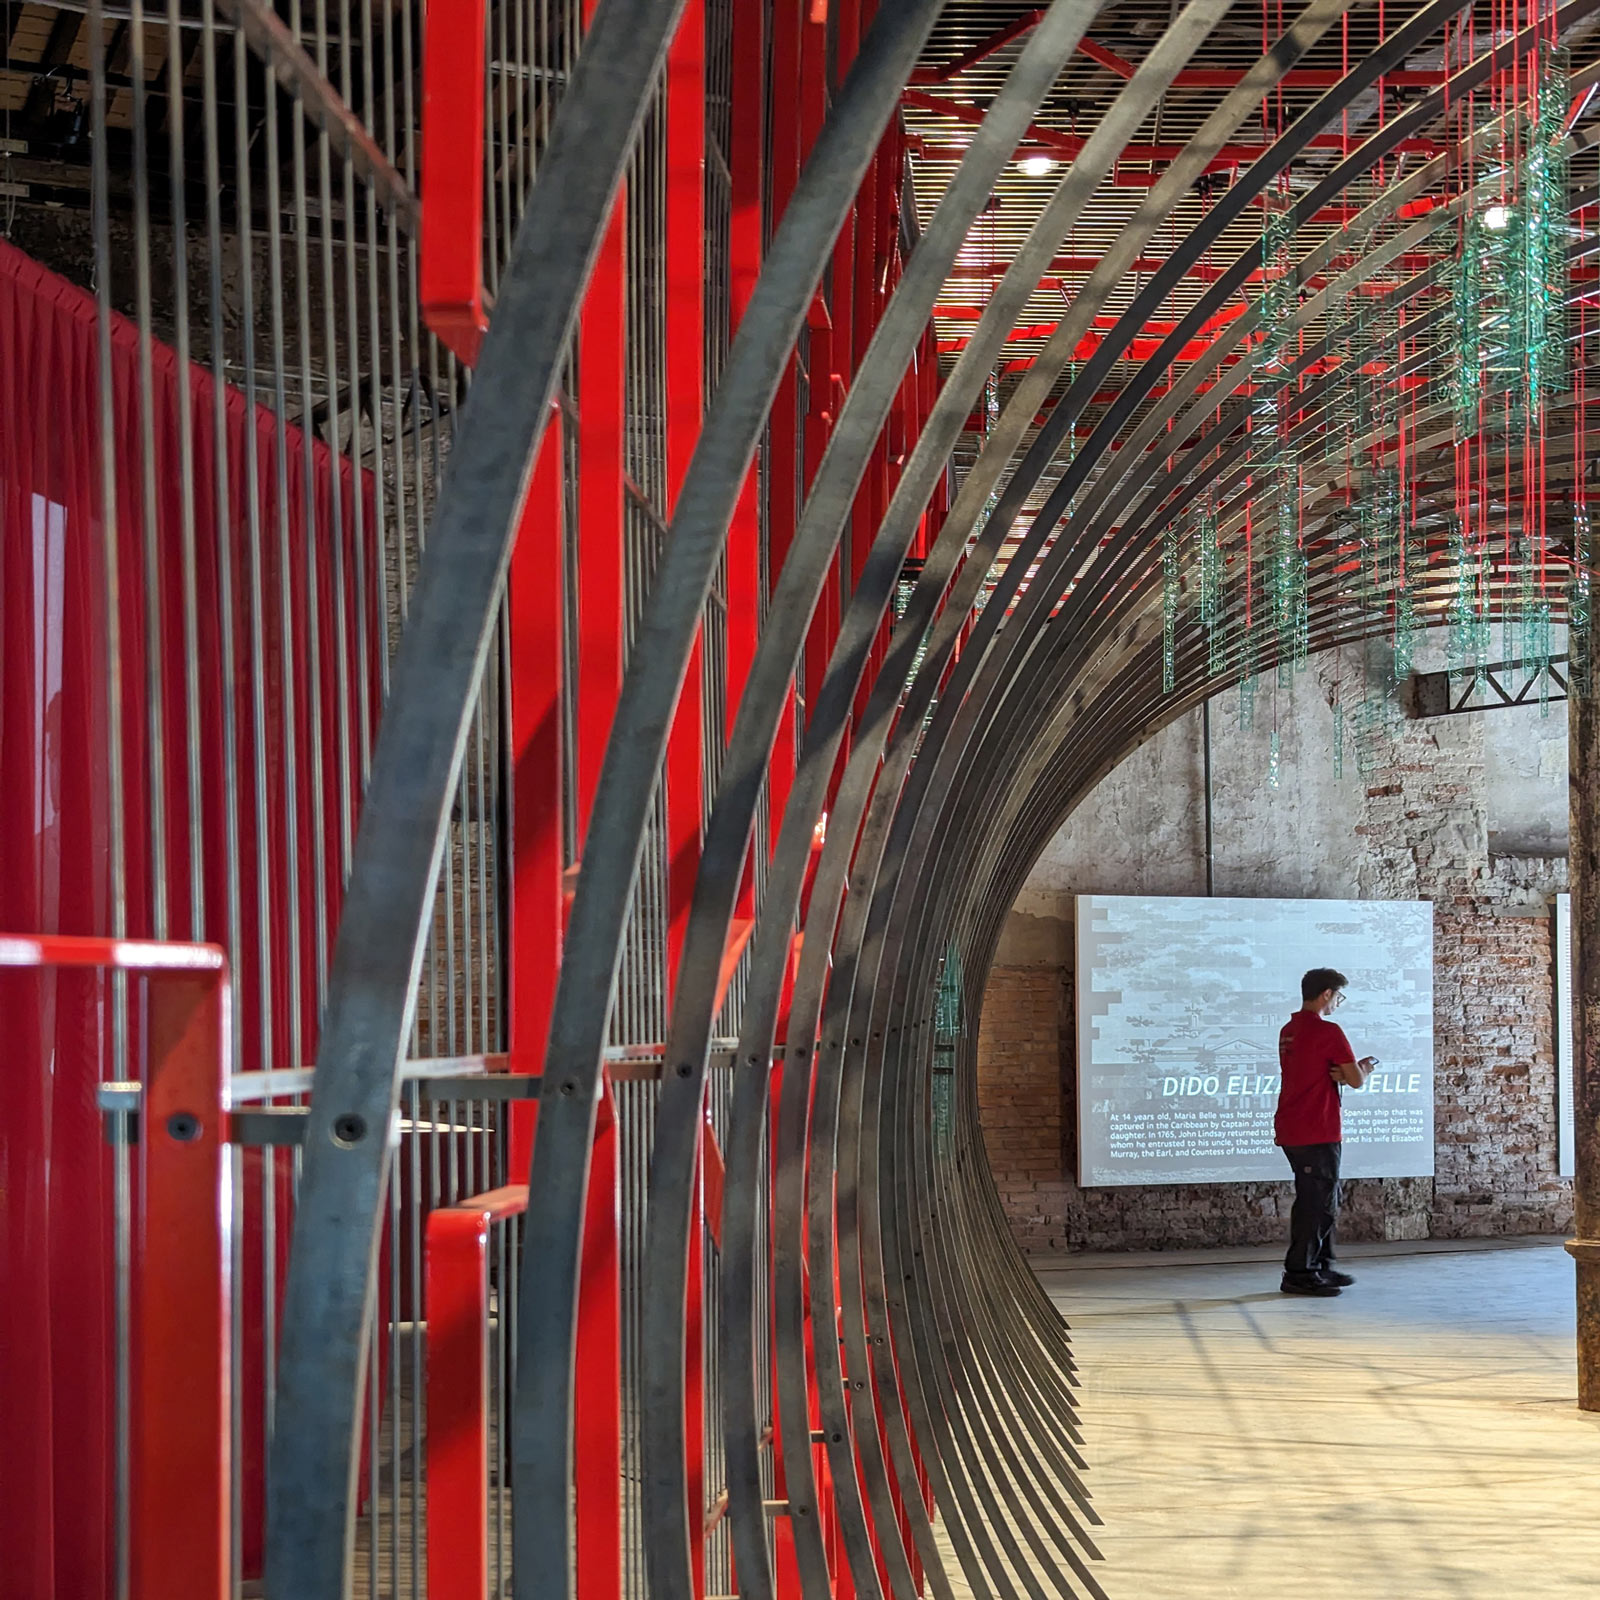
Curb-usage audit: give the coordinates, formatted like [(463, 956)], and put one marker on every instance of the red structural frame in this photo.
[(450, 262), (771, 135), (182, 1234), (458, 1390)]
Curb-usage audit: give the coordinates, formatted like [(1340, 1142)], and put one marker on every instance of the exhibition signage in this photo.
[(1179, 1004)]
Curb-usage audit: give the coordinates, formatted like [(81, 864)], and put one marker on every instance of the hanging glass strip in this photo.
[(1247, 701), (1467, 301), (1287, 580), (1510, 288), (1278, 289), (1170, 583), (1468, 639), (1542, 264)]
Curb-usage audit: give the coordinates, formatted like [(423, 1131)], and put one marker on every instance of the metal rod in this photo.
[(307, 82), (1205, 740)]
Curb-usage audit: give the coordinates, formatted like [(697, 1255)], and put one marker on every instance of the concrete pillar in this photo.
[(1583, 723)]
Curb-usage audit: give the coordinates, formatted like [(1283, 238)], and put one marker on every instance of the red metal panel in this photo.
[(783, 460), (182, 1428), (745, 247), (694, 1401), (450, 262), (602, 424), (602, 370), (597, 1400), (534, 603), (457, 1297), (180, 1412), (684, 250)]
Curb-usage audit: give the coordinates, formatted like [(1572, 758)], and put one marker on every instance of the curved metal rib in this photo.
[(727, 838), (934, 670), (873, 592), (558, 1179), (329, 1298)]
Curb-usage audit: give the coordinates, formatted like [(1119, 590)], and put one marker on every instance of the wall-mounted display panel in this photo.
[(1179, 1004)]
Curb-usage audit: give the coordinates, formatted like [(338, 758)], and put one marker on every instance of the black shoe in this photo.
[(1343, 1279), (1323, 1287)]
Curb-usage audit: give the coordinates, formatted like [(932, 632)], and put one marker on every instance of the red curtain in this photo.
[(282, 598)]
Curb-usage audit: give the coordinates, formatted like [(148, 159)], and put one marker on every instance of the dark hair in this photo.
[(1318, 979)]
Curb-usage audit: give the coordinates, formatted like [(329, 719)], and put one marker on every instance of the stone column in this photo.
[(1583, 725)]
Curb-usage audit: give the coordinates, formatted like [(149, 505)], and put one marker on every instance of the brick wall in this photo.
[(1422, 835), (1024, 1088)]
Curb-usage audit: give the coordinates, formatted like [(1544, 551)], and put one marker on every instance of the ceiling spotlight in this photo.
[(1497, 218), (1038, 166)]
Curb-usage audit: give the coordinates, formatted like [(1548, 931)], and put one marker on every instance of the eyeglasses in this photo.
[(1338, 999)]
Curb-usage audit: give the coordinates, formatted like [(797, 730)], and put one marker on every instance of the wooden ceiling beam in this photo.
[(57, 49)]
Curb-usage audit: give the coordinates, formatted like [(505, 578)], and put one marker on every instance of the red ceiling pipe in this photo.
[(1226, 78), (1012, 31), (1066, 146)]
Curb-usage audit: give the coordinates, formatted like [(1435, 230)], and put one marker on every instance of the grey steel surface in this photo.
[(558, 1178)]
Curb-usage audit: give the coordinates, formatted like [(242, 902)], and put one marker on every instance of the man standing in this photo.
[(1315, 1058)]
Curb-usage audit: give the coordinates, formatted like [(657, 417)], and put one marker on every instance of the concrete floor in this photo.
[(1415, 1439)]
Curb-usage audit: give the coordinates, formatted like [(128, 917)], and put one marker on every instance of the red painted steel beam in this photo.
[(746, 247), (1026, 23), (1227, 78), (597, 1393), (450, 258), (713, 1172), (684, 254), (536, 617), (1154, 329), (1411, 261), (1067, 146), (783, 464), (1106, 58), (180, 1347), (602, 380), (602, 425), (457, 1298)]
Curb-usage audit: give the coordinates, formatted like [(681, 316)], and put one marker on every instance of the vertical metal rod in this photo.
[(154, 652), (122, 1247), (223, 510), (397, 1501), (359, 660), (491, 189), (188, 558), (413, 1103), (336, 532), (1205, 740), (401, 383), (312, 542)]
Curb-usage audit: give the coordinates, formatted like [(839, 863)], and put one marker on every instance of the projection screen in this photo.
[(1179, 1003)]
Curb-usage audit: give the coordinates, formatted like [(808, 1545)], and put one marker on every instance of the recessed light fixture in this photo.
[(1038, 166), (1497, 218)]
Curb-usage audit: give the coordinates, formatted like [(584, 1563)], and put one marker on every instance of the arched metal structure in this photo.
[(717, 802), (974, 740)]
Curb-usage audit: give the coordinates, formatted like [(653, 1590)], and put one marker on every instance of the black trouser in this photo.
[(1316, 1208)]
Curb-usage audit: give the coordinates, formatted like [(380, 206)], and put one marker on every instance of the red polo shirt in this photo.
[(1308, 1098)]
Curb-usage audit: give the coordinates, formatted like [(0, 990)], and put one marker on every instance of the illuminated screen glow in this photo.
[(1179, 1003)]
